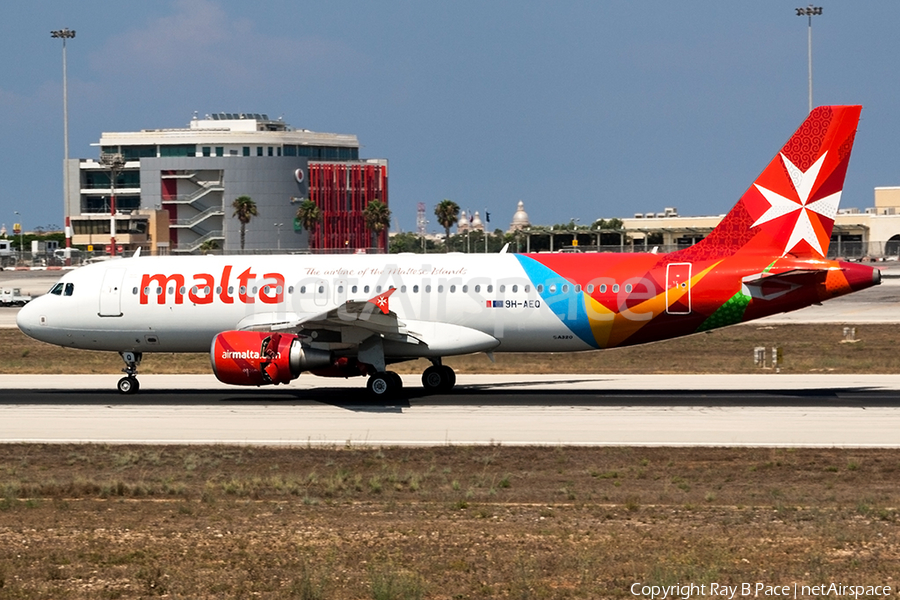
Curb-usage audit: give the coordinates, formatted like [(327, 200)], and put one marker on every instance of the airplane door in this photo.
[(678, 288), (111, 293)]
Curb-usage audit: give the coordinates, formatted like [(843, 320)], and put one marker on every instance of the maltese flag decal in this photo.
[(381, 300)]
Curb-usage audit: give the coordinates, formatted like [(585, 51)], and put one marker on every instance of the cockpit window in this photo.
[(57, 289), (70, 287)]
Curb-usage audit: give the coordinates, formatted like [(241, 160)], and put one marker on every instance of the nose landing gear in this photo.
[(130, 384)]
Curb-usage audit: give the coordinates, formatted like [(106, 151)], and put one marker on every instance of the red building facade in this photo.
[(342, 190)]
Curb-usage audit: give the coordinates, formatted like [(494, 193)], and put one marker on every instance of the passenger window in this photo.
[(527, 288), (578, 288), (540, 288), (321, 289), (366, 290), (452, 289), (302, 289), (615, 288), (427, 289), (290, 289), (477, 289), (565, 289), (490, 289), (134, 291), (515, 289), (378, 289), (552, 288), (465, 289), (70, 287), (402, 289), (502, 288), (590, 288), (602, 288), (415, 289), (440, 289), (340, 289), (353, 289), (628, 288)]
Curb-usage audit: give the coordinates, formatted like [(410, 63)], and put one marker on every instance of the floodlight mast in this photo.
[(115, 162), (65, 34), (808, 12)]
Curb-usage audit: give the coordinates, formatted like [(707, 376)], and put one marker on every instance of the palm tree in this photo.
[(447, 211), (244, 210), (309, 215), (209, 246), (378, 218)]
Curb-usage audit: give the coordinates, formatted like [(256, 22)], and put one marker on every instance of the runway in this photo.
[(659, 410), (735, 410)]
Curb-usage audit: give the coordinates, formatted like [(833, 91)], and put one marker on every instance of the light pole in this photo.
[(65, 34), (808, 12), (116, 163), (278, 227)]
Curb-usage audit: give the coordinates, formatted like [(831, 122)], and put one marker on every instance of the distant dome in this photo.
[(463, 224), (520, 219), (476, 224)]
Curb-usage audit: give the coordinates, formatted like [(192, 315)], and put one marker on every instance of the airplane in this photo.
[(266, 319)]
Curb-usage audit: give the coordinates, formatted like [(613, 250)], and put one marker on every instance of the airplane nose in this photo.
[(29, 318)]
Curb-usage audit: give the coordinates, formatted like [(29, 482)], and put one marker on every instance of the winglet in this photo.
[(381, 300)]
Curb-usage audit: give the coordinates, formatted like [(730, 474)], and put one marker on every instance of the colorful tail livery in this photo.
[(345, 315)]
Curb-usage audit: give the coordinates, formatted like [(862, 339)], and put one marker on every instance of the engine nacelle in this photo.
[(261, 358)]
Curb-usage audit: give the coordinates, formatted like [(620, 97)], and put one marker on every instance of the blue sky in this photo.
[(580, 109)]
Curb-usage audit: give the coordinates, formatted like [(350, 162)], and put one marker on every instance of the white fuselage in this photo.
[(179, 304)]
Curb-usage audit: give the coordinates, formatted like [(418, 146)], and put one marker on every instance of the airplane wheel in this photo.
[(395, 380), (451, 378), (438, 379), (381, 385), (433, 379), (128, 385)]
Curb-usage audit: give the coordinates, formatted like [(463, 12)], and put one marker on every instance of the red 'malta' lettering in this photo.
[(269, 289)]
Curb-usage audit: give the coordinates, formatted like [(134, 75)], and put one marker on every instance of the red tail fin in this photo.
[(791, 206)]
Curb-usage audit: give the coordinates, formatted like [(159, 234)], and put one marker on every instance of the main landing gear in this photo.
[(130, 384), (436, 379), (384, 384)]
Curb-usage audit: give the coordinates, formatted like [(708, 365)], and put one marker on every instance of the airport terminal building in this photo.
[(174, 188), (872, 232)]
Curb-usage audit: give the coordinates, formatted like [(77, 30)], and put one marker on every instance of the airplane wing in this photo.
[(353, 321), (356, 321)]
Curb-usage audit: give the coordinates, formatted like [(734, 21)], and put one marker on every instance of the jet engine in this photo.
[(261, 358)]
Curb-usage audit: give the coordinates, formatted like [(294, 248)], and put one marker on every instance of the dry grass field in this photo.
[(807, 349), (108, 522), (446, 522)]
